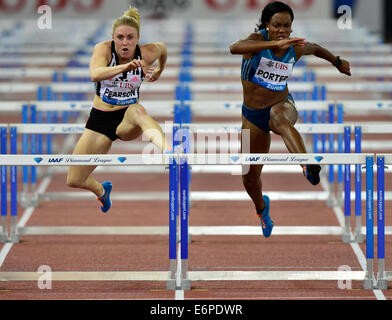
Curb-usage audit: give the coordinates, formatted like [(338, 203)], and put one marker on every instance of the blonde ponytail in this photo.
[(131, 18), (133, 13)]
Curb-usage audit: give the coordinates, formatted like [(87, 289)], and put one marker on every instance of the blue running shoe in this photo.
[(105, 201), (311, 172), (266, 223)]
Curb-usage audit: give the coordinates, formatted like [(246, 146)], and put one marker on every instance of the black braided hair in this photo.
[(269, 10)]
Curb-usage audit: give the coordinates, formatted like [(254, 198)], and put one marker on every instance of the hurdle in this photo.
[(344, 129), (195, 196), (102, 160), (59, 128), (179, 197), (382, 276), (274, 159)]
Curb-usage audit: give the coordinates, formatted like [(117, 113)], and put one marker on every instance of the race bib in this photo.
[(272, 74), (121, 90)]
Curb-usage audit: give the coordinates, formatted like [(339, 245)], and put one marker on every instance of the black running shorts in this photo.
[(105, 122)]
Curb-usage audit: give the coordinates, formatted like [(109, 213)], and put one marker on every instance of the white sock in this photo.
[(103, 193), (167, 149)]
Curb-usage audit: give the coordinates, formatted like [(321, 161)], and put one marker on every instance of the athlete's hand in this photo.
[(345, 67), (153, 74), (286, 43), (134, 64)]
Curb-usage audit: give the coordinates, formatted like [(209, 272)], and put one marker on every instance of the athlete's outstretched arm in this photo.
[(314, 49), (254, 43), (155, 51), (98, 65)]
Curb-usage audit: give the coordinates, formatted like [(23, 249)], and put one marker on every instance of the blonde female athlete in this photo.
[(269, 56), (117, 68)]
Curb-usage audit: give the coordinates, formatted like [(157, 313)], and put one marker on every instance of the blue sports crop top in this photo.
[(267, 70)]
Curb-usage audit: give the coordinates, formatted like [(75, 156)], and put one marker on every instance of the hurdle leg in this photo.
[(177, 131), (382, 282), (33, 169), (340, 190), (14, 189), (331, 201), (346, 237), (173, 212), (358, 236), (24, 197), (3, 188), (184, 205), (369, 279)]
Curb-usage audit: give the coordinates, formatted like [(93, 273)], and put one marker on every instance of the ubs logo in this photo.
[(277, 65)]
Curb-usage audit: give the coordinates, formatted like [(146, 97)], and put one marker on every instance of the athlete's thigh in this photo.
[(90, 142), (284, 111), (129, 128), (254, 140)]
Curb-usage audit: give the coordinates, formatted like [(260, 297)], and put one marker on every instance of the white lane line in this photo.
[(23, 220), (4, 251), (68, 143)]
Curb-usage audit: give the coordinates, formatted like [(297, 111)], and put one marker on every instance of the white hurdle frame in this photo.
[(274, 159), (215, 196), (185, 275), (383, 276), (123, 160)]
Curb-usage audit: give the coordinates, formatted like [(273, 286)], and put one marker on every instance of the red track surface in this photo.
[(150, 253)]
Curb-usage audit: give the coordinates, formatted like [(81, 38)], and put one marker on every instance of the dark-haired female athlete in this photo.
[(269, 55)]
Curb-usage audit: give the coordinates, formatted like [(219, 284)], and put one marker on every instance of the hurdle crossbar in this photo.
[(227, 108), (383, 276), (82, 87), (197, 159), (303, 128)]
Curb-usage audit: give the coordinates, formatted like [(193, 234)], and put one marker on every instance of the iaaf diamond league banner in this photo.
[(178, 9)]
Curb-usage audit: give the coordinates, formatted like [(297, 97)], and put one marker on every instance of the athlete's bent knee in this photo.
[(136, 113), (74, 183), (279, 124)]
